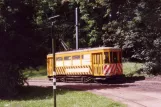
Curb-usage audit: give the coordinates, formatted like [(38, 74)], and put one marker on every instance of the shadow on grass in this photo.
[(35, 93)]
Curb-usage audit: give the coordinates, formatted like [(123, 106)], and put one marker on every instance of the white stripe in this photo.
[(54, 86), (107, 67), (109, 72), (110, 69), (105, 70), (78, 70), (119, 67), (114, 70), (54, 80)]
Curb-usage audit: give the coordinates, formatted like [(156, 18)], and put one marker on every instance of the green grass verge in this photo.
[(131, 68), (42, 97)]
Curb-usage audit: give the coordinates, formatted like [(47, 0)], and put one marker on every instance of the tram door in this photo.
[(97, 62)]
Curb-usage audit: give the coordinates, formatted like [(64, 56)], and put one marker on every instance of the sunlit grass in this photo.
[(131, 68), (43, 97)]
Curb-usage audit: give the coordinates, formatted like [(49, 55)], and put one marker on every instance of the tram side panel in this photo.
[(70, 65), (80, 65)]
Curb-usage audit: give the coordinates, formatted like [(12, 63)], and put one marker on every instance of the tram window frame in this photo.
[(76, 57), (82, 56), (106, 57), (59, 58), (67, 58)]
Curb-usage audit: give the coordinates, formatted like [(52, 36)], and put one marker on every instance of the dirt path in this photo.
[(145, 93)]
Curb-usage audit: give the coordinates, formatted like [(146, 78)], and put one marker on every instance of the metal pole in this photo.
[(76, 25), (54, 71)]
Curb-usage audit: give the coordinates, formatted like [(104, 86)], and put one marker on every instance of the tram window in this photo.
[(86, 56), (76, 57), (59, 59), (67, 58), (115, 59), (106, 57)]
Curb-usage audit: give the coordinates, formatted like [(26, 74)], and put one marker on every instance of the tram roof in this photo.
[(89, 49)]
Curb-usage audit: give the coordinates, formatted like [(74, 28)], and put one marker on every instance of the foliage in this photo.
[(25, 31), (134, 26), (20, 44), (142, 33)]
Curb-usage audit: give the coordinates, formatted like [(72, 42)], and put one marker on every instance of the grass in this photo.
[(42, 97), (41, 73), (131, 68)]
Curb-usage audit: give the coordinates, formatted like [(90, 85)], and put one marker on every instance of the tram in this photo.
[(100, 62)]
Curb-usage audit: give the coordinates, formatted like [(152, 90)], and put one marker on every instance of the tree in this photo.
[(20, 45), (140, 27), (25, 36)]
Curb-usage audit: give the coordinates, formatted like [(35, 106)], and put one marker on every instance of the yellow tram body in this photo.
[(97, 62)]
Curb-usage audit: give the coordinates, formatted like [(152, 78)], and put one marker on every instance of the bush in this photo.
[(10, 79)]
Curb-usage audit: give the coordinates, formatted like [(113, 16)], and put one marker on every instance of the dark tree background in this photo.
[(25, 32)]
